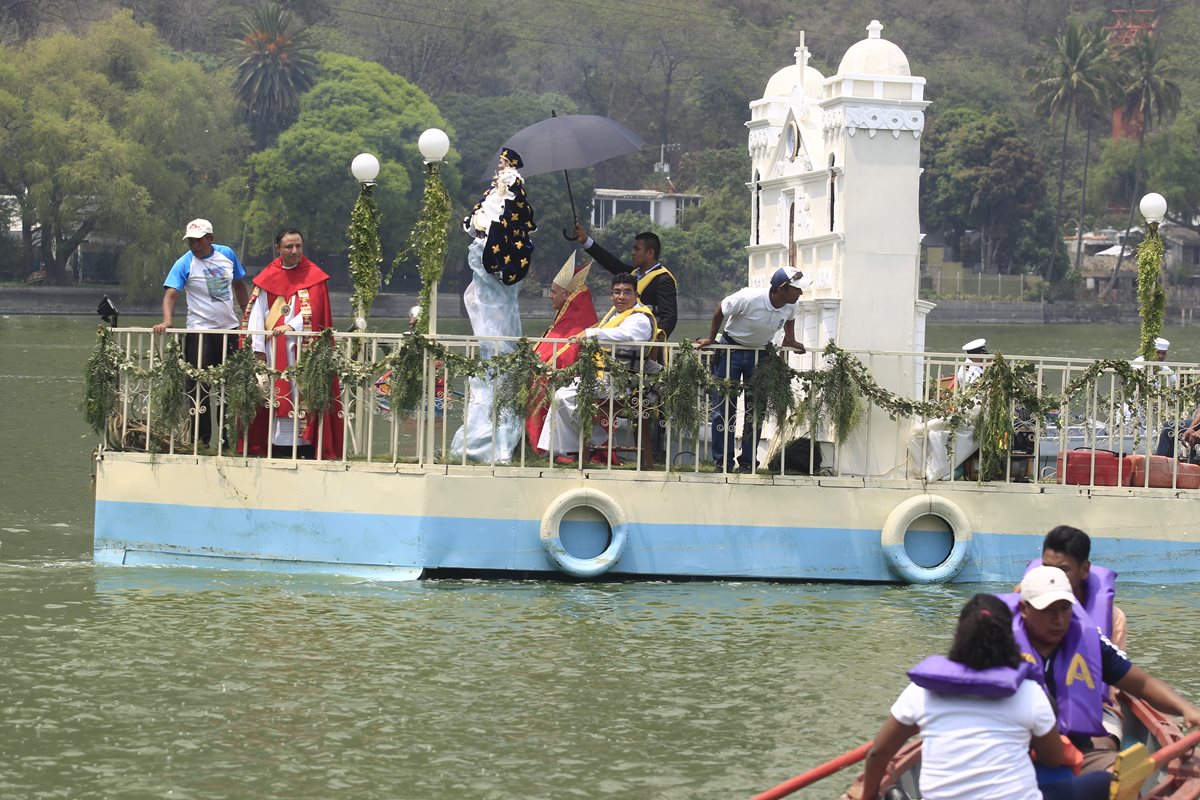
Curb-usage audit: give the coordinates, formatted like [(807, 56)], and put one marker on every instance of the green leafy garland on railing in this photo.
[(315, 370), (428, 240), (169, 401), (1152, 298), (102, 381), (518, 383), (244, 393), (366, 253), (683, 383), (835, 393), (771, 386)]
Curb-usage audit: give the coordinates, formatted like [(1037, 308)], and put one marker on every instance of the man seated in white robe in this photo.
[(627, 321)]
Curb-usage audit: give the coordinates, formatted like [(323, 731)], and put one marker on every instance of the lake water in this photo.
[(179, 683)]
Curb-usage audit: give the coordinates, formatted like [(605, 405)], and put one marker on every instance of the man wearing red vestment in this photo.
[(291, 294), (574, 311)]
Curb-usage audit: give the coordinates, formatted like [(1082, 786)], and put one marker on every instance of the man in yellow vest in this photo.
[(656, 286), (627, 321)]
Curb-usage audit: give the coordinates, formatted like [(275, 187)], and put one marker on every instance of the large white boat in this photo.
[(833, 188)]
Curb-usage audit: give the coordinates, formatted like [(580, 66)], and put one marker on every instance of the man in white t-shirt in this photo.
[(216, 290), (752, 318)]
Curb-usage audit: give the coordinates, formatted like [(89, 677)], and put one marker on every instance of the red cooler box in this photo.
[(1162, 475), (1078, 469)]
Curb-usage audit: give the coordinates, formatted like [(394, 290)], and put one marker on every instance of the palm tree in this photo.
[(274, 64), (1076, 78), (1149, 95)]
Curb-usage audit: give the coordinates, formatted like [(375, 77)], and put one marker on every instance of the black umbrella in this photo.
[(571, 142)]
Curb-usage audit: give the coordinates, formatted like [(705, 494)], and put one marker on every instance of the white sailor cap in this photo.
[(973, 345), (1161, 344), (1140, 360)]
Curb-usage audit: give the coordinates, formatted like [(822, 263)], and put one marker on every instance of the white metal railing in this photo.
[(634, 434)]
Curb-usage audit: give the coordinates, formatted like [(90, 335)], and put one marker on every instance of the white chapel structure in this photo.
[(834, 191)]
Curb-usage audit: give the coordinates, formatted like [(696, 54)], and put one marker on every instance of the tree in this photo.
[(304, 179), (985, 176), (1077, 77), (1150, 95), (99, 135), (274, 66)]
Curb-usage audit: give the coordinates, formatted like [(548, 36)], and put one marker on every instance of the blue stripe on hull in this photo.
[(307, 540)]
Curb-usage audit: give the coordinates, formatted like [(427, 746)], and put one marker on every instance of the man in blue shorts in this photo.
[(217, 295)]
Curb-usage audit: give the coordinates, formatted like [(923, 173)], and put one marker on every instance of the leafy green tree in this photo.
[(100, 135), (987, 177), (1076, 77), (1150, 96), (274, 66), (304, 179)]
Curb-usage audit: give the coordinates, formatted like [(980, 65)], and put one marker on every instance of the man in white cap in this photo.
[(971, 368), (215, 283), (1077, 662), (752, 318)]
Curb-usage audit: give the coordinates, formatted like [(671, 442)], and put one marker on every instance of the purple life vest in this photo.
[(1079, 689), (1100, 590), (944, 676)]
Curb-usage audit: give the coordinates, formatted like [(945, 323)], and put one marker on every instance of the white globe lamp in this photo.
[(365, 168), (1153, 207), (434, 144)]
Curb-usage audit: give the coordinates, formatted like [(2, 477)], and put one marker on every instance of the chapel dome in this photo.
[(783, 82), (799, 74), (874, 56)]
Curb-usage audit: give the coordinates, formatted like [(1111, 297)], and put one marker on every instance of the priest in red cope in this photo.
[(291, 294)]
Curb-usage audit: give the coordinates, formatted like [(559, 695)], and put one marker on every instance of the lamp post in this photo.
[(1152, 298), (434, 144), (1154, 208), (366, 253)]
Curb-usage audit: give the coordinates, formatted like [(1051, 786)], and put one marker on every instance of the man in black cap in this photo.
[(656, 286), (751, 318)]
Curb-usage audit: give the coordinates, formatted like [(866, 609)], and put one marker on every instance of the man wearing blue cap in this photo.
[(751, 318)]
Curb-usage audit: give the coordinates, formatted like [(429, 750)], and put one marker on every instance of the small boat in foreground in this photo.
[(1158, 762)]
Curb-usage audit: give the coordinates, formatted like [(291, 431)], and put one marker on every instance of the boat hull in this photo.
[(395, 522)]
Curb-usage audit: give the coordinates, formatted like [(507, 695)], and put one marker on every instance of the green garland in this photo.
[(835, 393), (682, 387), (519, 379), (169, 400), (407, 363), (428, 240), (244, 394), (771, 386), (1152, 298), (314, 373), (366, 253), (102, 381)]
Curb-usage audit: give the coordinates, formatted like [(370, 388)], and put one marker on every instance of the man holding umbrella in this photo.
[(656, 286)]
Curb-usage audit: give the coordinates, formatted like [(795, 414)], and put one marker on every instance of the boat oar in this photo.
[(1134, 765), (816, 773)]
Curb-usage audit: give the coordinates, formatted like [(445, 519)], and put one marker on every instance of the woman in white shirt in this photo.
[(978, 719)]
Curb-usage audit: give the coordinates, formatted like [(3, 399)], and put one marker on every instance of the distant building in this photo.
[(663, 208)]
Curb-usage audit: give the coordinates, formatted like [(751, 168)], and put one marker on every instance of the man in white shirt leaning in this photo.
[(751, 318)]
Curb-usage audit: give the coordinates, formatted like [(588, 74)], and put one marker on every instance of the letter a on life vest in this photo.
[(1078, 671)]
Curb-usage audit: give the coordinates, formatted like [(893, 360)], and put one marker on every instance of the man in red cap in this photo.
[(291, 294)]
